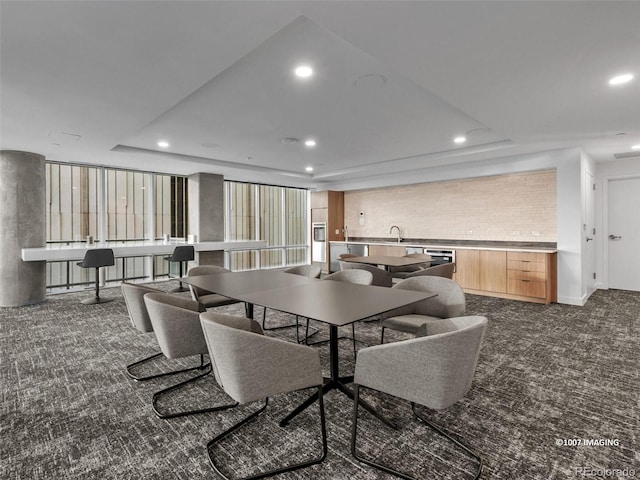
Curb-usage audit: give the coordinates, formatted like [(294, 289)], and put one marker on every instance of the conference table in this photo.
[(334, 303), (386, 260)]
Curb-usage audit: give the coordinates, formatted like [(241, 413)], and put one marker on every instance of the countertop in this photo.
[(448, 244), (75, 250)]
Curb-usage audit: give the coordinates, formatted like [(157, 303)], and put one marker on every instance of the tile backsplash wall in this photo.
[(515, 207)]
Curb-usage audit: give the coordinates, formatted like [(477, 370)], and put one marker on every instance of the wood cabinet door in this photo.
[(468, 269), (493, 271)]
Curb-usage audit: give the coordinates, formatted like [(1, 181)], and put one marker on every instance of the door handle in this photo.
[(589, 239), (615, 237)]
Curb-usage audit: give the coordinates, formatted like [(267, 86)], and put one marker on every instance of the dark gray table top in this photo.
[(335, 303), (232, 284)]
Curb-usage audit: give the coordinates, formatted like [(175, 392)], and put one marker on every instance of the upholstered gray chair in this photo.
[(176, 323), (449, 302), (181, 254), (208, 299), (312, 271), (97, 258), (361, 277), (250, 367), (445, 270), (403, 272), (435, 370), (381, 278), (134, 299)]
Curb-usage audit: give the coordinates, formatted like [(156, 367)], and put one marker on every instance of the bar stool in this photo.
[(182, 253), (96, 258)]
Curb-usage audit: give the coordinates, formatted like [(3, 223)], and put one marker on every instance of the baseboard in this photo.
[(577, 301)]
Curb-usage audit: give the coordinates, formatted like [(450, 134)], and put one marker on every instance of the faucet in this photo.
[(391, 230), (346, 233)]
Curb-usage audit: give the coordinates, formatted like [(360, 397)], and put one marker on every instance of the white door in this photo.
[(624, 233)]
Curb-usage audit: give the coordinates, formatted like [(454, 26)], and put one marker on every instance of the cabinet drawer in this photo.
[(527, 288), (526, 265), (527, 275), (527, 256)]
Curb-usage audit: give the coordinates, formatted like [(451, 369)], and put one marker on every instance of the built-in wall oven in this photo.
[(319, 242)]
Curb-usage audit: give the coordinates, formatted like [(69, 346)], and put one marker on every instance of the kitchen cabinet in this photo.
[(468, 269), (529, 276), (484, 270), (493, 271), (328, 207)]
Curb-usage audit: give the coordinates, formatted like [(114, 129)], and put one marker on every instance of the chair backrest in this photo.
[(176, 323), (444, 270), (435, 370), (361, 277), (98, 257), (183, 253), (450, 301), (313, 271), (250, 366), (381, 278), (196, 292), (134, 298)]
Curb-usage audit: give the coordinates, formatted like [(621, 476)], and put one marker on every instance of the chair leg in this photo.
[(180, 288), (96, 299), (97, 285), (447, 435), (382, 336), (287, 468), (157, 395), (353, 335), (137, 378), (385, 468), (326, 340), (279, 327)]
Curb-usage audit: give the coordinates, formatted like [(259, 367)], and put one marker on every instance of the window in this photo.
[(127, 205), (277, 215), (72, 202), (73, 194)]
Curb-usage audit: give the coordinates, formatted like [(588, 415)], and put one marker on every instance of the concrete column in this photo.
[(206, 214), (22, 224)]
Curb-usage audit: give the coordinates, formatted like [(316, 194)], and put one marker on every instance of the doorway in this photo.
[(623, 233)]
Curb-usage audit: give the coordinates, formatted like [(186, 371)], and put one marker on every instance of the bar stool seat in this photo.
[(181, 254), (97, 258)]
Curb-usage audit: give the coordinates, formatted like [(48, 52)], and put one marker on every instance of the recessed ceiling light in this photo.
[(635, 147), (303, 71), (460, 139), (310, 143), (309, 169), (620, 79), (163, 144)]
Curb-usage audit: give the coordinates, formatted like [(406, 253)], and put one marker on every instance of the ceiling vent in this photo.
[(626, 155), (289, 140)]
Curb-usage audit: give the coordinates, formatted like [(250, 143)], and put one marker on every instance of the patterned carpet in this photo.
[(546, 375)]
